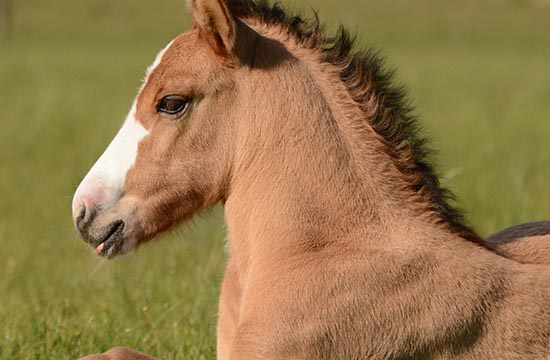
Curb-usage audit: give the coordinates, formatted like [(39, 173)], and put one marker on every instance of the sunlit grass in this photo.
[(477, 71)]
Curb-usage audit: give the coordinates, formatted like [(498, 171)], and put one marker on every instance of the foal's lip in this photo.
[(111, 244)]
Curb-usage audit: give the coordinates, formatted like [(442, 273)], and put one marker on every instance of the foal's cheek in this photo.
[(172, 178), (142, 179)]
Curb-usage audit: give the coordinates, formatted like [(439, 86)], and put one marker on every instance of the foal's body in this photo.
[(341, 242), (529, 243)]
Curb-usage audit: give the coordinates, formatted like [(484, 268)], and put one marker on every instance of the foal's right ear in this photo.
[(216, 24)]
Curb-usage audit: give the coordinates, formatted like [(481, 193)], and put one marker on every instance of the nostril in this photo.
[(81, 213), (84, 218)]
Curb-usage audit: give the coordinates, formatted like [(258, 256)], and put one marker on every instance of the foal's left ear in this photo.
[(216, 24)]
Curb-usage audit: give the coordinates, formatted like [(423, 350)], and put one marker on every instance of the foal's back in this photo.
[(527, 243)]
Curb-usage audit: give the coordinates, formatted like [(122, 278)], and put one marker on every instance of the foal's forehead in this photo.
[(171, 55), (172, 65), (156, 63), (177, 53)]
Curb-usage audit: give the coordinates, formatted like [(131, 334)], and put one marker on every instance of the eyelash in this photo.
[(173, 105)]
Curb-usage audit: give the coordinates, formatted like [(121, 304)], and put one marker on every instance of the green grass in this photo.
[(478, 71)]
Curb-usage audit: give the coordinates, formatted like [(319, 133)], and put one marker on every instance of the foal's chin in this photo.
[(116, 246), (113, 238), (113, 232)]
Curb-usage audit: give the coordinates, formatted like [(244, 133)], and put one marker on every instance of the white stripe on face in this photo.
[(104, 183)]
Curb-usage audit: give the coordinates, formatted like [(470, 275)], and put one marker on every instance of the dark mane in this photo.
[(369, 82)]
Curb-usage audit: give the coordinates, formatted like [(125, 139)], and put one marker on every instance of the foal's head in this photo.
[(173, 153), (247, 81)]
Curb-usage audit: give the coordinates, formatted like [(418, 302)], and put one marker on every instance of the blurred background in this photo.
[(478, 72)]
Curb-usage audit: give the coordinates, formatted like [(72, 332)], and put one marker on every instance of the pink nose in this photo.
[(88, 199)]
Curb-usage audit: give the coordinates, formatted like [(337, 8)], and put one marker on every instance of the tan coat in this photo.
[(342, 244)]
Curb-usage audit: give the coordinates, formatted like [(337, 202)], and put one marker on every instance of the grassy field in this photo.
[(478, 71)]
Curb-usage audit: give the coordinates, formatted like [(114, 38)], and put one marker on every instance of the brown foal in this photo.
[(342, 243)]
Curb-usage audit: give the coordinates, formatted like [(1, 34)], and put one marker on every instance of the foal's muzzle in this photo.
[(107, 240)]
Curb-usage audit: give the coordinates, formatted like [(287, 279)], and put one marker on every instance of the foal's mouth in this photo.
[(111, 243)]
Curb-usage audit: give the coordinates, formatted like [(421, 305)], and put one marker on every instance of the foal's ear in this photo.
[(215, 23)]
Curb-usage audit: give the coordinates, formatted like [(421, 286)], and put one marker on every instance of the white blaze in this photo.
[(104, 183)]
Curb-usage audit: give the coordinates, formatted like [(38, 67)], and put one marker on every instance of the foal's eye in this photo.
[(172, 105)]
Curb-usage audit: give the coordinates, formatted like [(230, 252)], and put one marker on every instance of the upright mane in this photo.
[(385, 106)]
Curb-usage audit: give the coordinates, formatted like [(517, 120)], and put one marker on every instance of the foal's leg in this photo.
[(527, 243), (119, 353), (228, 318)]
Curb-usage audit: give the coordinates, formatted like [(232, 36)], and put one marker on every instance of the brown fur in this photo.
[(342, 243)]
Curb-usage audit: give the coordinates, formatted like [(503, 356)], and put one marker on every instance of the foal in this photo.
[(342, 244)]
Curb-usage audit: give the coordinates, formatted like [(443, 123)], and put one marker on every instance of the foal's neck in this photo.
[(310, 173)]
